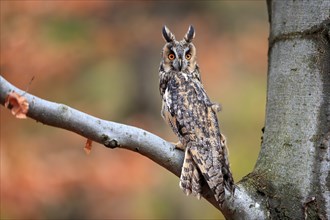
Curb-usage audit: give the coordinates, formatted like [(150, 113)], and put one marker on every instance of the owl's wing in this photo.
[(172, 121), (169, 112)]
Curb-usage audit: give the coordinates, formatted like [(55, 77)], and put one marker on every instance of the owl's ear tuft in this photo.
[(167, 34), (190, 34)]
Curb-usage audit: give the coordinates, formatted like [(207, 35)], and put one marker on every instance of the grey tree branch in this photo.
[(114, 135)]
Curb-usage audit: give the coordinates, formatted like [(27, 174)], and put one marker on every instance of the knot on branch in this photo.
[(108, 142)]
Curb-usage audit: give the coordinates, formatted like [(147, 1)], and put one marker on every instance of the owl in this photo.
[(192, 116)]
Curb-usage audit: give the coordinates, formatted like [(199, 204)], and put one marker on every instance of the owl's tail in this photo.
[(190, 179), (212, 165)]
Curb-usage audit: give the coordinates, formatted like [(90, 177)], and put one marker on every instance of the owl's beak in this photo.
[(180, 64)]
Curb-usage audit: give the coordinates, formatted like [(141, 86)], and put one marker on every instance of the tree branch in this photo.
[(113, 135)]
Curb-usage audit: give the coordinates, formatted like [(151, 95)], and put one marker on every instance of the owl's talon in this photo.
[(179, 145)]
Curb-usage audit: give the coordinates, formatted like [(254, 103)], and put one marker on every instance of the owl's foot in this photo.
[(179, 145)]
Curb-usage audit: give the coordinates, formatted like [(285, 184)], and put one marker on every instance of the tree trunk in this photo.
[(291, 176)]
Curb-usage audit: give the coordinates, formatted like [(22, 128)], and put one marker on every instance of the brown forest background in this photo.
[(102, 58)]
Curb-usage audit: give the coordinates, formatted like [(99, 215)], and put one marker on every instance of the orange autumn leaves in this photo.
[(18, 105)]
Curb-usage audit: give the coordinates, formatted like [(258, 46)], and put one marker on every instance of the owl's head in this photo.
[(179, 55)]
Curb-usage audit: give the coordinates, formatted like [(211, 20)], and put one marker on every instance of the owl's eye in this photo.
[(171, 56), (188, 56)]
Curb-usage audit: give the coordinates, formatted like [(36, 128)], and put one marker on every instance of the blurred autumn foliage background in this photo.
[(102, 57)]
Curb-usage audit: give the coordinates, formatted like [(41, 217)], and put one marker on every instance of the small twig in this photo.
[(30, 83)]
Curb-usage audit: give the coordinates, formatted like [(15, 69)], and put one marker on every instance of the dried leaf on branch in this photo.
[(18, 105), (88, 146)]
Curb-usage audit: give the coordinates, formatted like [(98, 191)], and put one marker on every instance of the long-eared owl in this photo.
[(192, 116)]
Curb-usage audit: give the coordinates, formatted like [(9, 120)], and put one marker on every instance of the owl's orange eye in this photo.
[(171, 56), (188, 56)]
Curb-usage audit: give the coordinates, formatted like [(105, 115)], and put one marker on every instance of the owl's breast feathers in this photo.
[(187, 102)]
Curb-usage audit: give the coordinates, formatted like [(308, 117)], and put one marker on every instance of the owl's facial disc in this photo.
[(180, 57)]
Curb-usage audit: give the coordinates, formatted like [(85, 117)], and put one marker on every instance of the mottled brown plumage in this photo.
[(192, 116)]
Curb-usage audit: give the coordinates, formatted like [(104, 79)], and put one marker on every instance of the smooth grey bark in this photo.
[(291, 175)]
